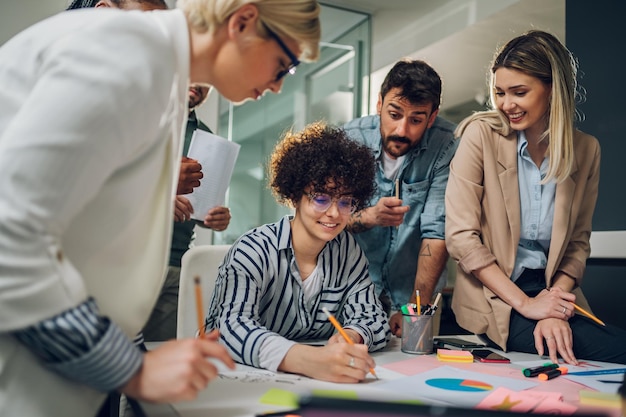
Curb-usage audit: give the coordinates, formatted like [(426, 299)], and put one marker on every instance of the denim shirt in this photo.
[(423, 176)]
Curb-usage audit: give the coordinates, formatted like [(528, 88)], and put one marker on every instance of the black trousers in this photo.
[(591, 341)]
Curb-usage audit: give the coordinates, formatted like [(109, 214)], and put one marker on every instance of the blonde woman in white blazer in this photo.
[(92, 108)]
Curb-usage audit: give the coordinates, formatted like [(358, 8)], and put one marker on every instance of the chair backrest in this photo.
[(202, 261)]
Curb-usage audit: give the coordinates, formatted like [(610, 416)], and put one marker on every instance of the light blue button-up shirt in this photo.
[(423, 176), (537, 211)]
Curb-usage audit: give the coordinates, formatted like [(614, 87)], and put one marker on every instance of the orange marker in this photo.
[(553, 373)]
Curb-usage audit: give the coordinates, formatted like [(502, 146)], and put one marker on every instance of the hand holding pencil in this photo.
[(182, 363), (343, 333), (574, 307)]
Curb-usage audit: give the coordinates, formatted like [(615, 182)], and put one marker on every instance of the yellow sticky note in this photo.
[(600, 399), (275, 396), (447, 355), (348, 395)]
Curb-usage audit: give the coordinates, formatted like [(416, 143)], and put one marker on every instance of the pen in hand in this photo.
[(343, 333)]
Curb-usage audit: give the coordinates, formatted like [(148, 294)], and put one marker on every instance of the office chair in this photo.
[(202, 261)]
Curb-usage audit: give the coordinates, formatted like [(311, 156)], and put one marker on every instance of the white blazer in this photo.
[(92, 111)]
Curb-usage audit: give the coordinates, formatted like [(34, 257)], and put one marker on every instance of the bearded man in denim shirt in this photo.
[(402, 231)]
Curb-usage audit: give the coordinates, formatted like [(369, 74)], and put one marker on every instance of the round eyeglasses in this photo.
[(322, 202)]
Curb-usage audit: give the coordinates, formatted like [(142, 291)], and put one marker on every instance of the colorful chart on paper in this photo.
[(456, 384)]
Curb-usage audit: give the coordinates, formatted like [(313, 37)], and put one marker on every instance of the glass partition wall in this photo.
[(334, 89)]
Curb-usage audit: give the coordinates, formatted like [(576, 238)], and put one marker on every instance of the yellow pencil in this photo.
[(342, 332), (588, 314), (419, 304), (196, 281)]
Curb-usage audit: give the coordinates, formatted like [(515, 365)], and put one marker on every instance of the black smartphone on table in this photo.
[(456, 342), (489, 356)]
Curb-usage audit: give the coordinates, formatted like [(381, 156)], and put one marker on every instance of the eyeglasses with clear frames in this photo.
[(291, 69), (321, 202)]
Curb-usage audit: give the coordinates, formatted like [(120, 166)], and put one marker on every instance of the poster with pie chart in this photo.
[(456, 384), (453, 386)]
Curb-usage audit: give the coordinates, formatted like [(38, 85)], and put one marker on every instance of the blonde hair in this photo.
[(540, 55), (293, 19)]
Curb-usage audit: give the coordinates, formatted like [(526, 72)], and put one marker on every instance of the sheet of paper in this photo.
[(217, 157), (583, 365), (603, 383), (454, 385)]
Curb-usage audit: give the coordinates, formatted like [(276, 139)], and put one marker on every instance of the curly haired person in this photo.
[(276, 279)]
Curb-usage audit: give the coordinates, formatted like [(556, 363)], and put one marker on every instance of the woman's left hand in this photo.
[(559, 339)]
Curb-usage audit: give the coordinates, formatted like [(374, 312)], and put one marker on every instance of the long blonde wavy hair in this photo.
[(540, 55)]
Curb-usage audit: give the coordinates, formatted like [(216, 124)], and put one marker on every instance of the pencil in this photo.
[(419, 304), (397, 193), (588, 314), (196, 281), (342, 332), (437, 298)]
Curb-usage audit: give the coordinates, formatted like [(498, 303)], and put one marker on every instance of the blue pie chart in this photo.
[(455, 384)]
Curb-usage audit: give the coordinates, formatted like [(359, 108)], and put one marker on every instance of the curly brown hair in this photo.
[(315, 156)]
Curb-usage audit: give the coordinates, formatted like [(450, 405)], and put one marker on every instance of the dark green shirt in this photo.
[(182, 234)]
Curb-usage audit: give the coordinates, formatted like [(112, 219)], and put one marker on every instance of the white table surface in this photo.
[(237, 393)]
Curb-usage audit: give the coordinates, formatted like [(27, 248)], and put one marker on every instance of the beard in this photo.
[(390, 145)]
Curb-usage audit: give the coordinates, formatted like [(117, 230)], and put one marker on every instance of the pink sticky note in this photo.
[(505, 399), (555, 407)]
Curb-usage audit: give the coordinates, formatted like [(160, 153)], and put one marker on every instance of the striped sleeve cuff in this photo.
[(84, 346), (108, 365)]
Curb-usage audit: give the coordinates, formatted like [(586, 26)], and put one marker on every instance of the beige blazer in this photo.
[(483, 221)]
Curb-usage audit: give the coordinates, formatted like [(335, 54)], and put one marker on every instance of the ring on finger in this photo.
[(564, 310), (351, 364), (549, 337)]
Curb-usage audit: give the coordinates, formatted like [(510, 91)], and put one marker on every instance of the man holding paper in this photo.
[(162, 322)]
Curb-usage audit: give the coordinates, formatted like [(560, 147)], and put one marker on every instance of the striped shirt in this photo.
[(259, 304)]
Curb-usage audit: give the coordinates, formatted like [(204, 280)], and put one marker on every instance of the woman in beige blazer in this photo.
[(519, 202)]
